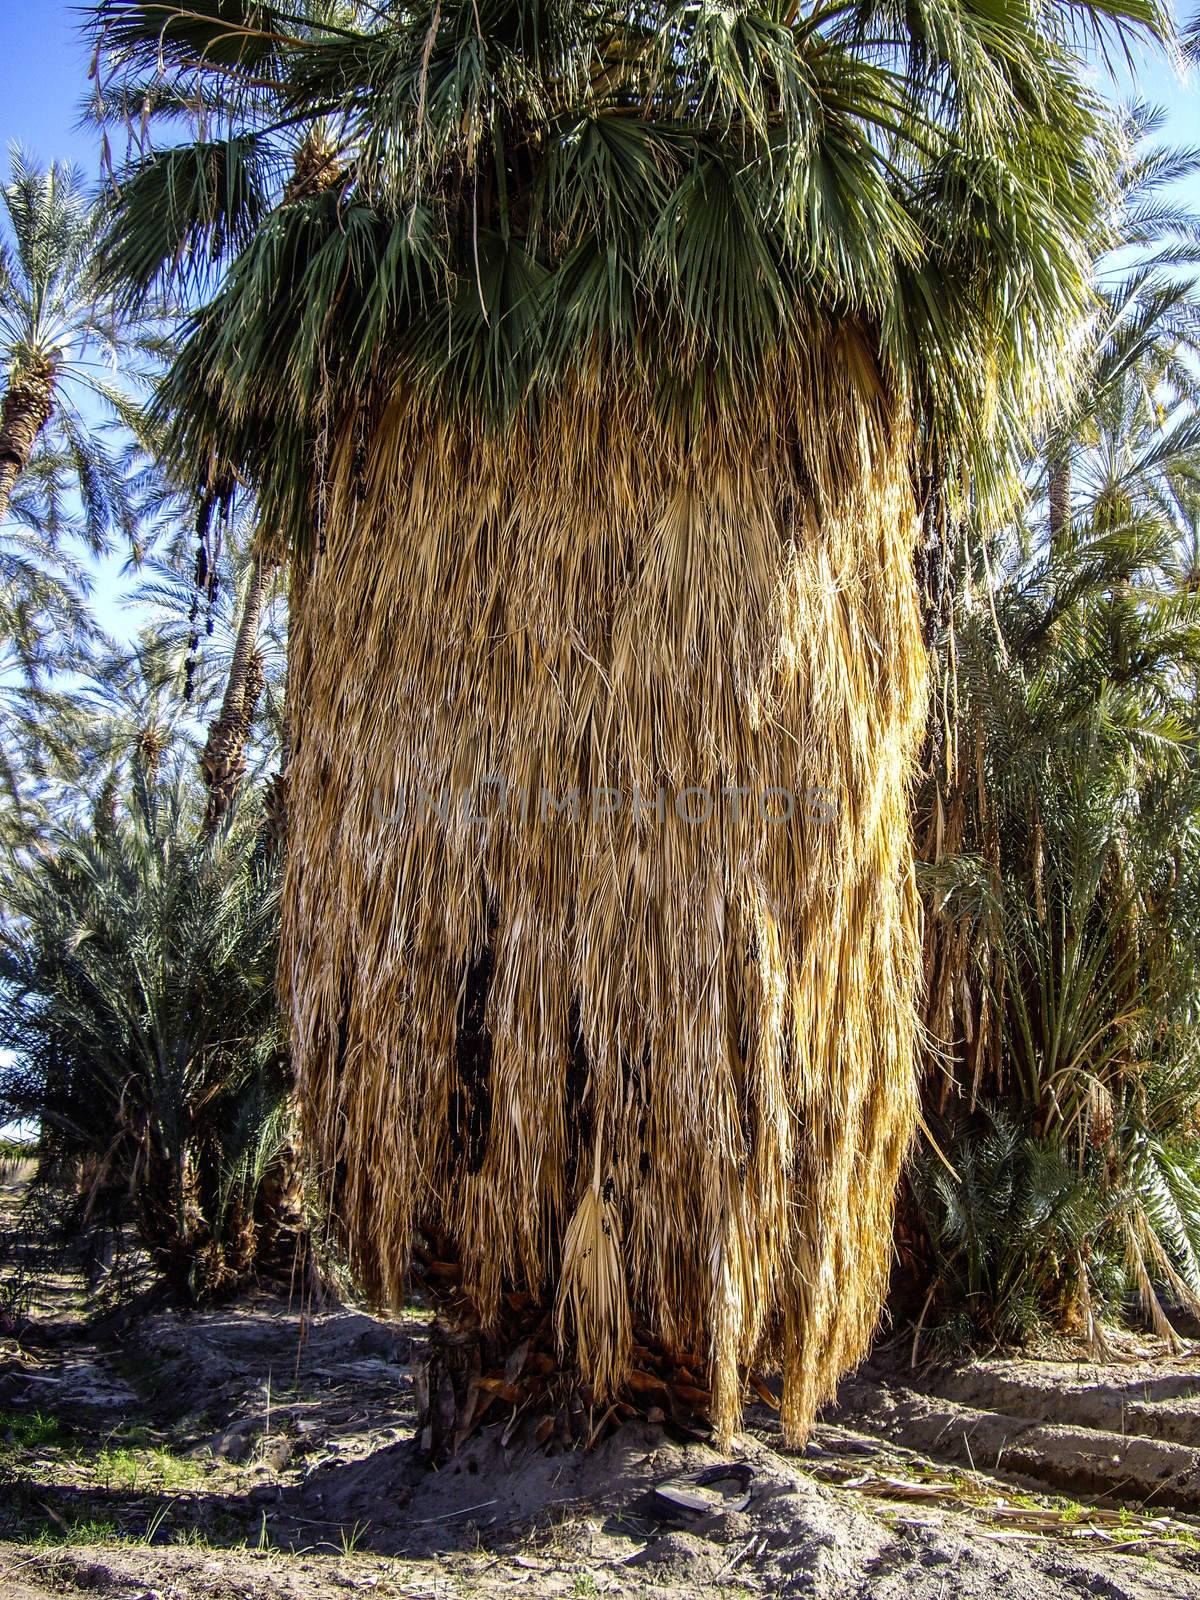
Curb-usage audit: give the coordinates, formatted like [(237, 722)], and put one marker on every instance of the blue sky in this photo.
[(43, 79)]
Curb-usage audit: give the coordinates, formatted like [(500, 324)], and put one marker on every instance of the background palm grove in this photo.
[(684, 394)]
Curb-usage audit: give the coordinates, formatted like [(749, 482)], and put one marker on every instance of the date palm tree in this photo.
[(66, 358), (65, 353), (1058, 831), (137, 1011), (1062, 879), (46, 633), (1145, 342), (604, 396), (217, 605)]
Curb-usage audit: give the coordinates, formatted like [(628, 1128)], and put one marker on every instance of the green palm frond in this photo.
[(137, 997), (525, 192), (56, 322)]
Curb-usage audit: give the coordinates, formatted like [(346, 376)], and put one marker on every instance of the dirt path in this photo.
[(1125, 1434), (259, 1451)]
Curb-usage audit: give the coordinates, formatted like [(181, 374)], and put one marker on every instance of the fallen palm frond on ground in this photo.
[(1009, 1514)]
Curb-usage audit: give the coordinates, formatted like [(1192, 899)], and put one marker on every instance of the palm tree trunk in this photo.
[(26, 411), (275, 797), (1059, 468), (224, 760)]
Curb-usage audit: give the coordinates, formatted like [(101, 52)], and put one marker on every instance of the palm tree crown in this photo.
[(1125, 437), (518, 195), (63, 347)]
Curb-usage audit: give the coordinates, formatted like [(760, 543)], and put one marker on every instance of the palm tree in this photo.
[(1146, 337), (224, 760), (1058, 830), (132, 716), (226, 638), (46, 632), (1062, 881), (137, 999), (63, 348), (39, 732), (596, 402)]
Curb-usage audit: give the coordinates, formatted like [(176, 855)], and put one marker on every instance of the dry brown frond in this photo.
[(660, 1072)]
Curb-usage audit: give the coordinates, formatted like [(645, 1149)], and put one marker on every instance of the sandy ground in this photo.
[(265, 1449)]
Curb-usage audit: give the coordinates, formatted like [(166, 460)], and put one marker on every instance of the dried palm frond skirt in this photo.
[(601, 934)]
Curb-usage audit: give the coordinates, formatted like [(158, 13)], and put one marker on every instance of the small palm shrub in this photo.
[(1019, 1232), (137, 972)]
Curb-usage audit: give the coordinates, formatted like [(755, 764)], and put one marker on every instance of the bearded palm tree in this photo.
[(63, 348), (598, 398)]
